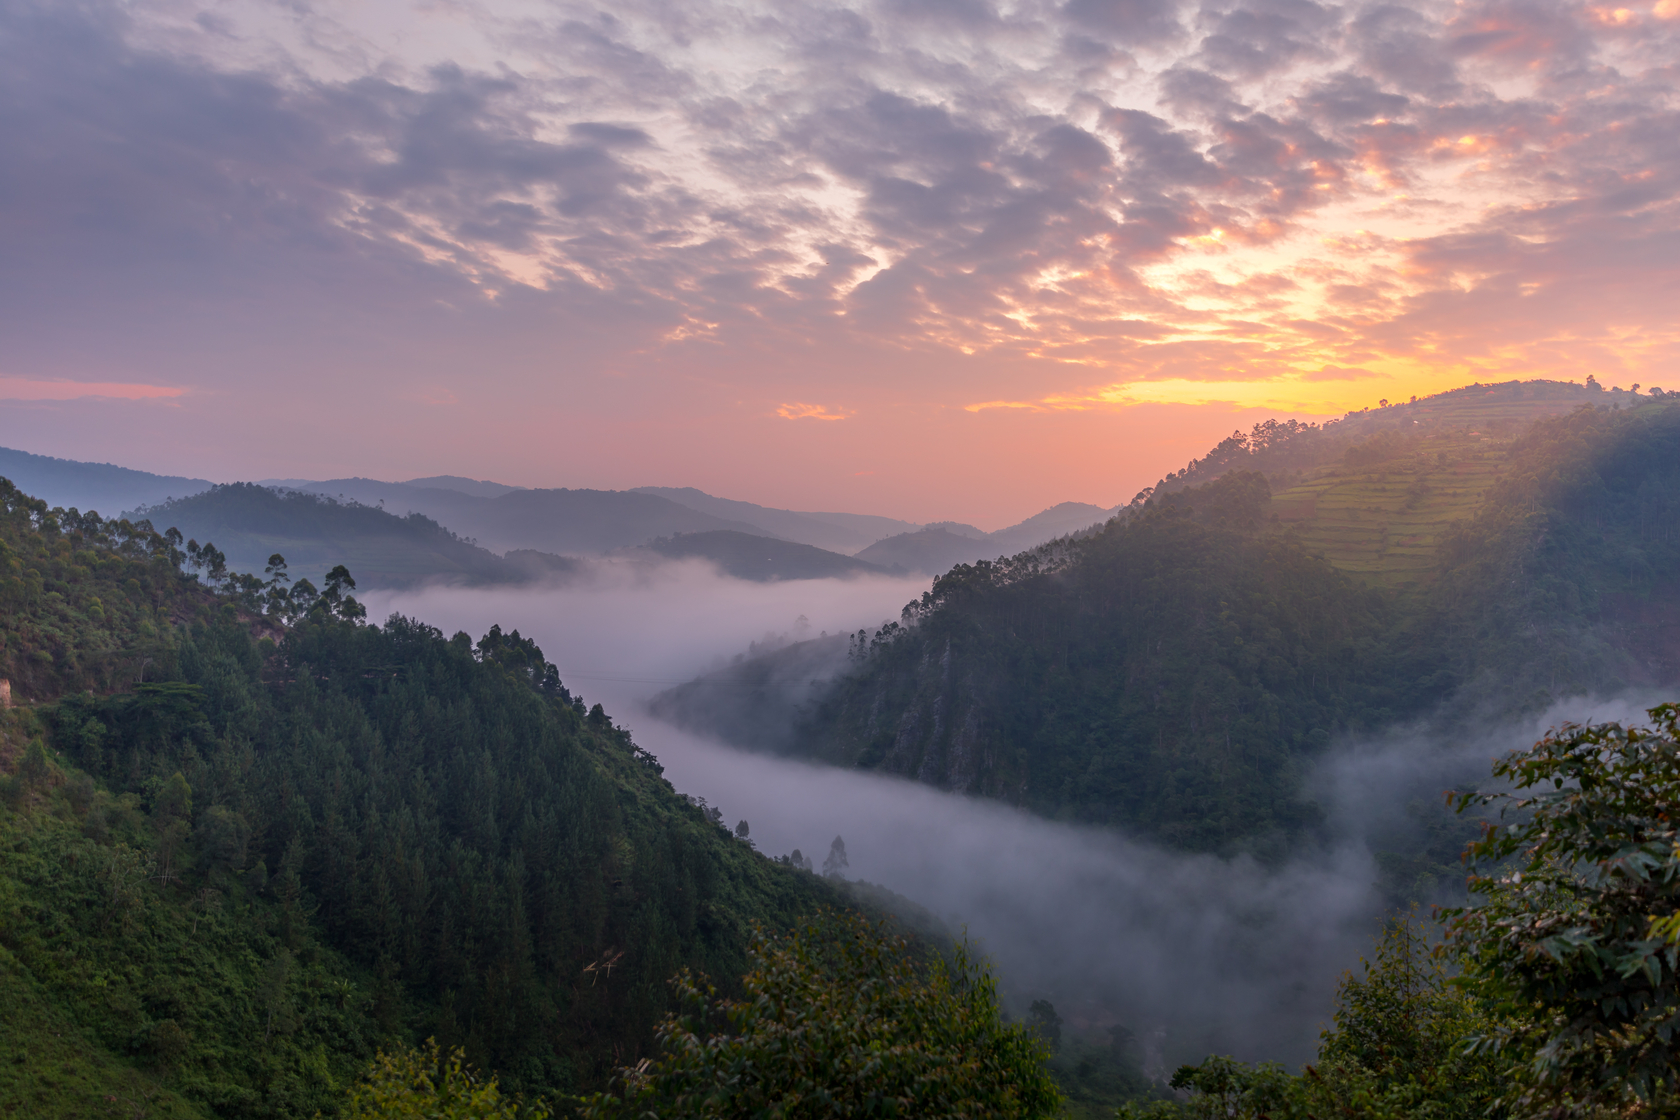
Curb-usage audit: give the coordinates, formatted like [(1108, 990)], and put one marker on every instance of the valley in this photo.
[(1168, 770)]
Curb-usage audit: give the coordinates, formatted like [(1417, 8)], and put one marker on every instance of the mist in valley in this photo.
[(1193, 954)]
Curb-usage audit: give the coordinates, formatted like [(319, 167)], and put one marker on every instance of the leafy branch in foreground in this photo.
[(409, 1084), (1573, 939), (839, 1019), (1397, 1048)]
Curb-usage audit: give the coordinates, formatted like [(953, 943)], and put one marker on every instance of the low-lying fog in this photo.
[(1192, 953)]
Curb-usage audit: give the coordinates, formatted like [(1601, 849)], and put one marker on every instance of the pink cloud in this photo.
[(32, 389), (801, 411)]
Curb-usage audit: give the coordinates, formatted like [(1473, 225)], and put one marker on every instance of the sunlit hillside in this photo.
[(1383, 522), (1379, 491)]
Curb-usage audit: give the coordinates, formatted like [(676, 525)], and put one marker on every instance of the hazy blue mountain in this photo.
[(567, 521), (764, 559), (446, 483), (473, 486), (583, 521), (313, 532), (929, 551), (836, 532), (502, 518), (941, 546), (783, 685), (960, 528), (1057, 521), (869, 524), (96, 486)]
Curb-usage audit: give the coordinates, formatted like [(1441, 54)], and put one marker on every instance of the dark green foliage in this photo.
[(1168, 674), (238, 878), (1400, 1046), (1578, 888), (411, 1084), (1400, 1043), (84, 602), (1365, 438), (151, 976), (1100, 1070), (1565, 581), (839, 1018), (1175, 672), (515, 878)]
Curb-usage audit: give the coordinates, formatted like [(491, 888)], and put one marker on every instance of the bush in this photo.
[(1573, 937), (839, 1019), (411, 1084), (1401, 1046)]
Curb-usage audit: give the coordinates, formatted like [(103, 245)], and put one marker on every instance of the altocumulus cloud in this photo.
[(1230, 190)]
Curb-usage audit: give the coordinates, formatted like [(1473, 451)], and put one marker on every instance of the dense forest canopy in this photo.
[(249, 839), (227, 882)]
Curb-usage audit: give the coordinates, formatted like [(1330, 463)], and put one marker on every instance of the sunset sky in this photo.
[(927, 258)]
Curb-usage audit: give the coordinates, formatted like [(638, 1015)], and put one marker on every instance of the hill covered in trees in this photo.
[(248, 523), (224, 885), (1177, 672)]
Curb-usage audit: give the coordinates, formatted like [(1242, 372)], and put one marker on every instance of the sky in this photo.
[(925, 258)]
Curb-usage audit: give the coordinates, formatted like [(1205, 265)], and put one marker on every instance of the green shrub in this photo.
[(410, 1084), (838, 1018)]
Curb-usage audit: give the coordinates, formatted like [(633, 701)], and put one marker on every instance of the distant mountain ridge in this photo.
[(836, 532), (249, 523), (314, 532), (549, 520), (761, 559), (499, 518), (103, 487), (472, 487), (939, 547)]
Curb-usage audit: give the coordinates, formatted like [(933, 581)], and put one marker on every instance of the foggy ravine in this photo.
[(1192, 953)]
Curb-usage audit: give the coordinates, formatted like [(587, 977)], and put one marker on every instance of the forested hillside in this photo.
[(85, 603), (249, 523), (223, 886), (1168, 675), (1176, 672)]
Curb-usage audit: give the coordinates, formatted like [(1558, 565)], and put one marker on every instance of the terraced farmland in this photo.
[(1384, 522), (1380, 509)]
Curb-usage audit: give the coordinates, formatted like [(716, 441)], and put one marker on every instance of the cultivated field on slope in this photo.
[(1383, 521)]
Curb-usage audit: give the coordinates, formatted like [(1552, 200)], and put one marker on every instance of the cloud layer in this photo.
[(894, 204)]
